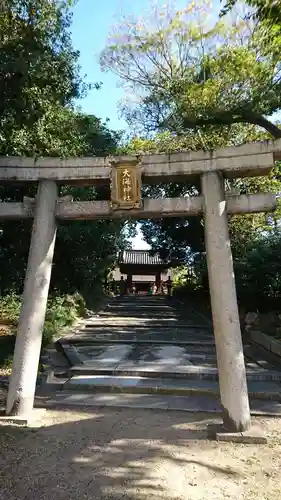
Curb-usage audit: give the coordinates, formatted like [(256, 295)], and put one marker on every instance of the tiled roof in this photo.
[(140, 257)]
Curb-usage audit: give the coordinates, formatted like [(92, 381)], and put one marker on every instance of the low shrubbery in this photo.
[(62, 311)]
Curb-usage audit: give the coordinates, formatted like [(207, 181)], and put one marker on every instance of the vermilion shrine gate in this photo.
[(126, 175)]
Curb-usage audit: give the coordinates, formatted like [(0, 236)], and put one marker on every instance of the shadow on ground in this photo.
[(113, 455)]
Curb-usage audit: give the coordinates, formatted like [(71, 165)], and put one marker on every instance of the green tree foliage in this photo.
[(39, 81), (267, 14), (207, 84), (265, 11), (189, 71), (258, 273), (39, 73), (84, 250)]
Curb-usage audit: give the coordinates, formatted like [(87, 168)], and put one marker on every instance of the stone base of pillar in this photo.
[(33, 419), (255, 435)]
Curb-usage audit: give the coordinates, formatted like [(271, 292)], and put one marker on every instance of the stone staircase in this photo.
[(153, 352)]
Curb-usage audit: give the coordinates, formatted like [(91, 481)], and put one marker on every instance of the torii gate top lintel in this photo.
[(252, 159)]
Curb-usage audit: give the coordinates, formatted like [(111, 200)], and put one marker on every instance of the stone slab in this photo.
[(265, 390), (194, 403), (109, 400), (275, 347), (178, 325), (166, 370), (254, 435), (56, 358), (98, 339), (137, 321), (111, 354), (34, 419), (261, 338), (139, 384), (57, 377), (265, 408), (157, 330), (98, 367), (71, 354), (263, 357), (156, 360)]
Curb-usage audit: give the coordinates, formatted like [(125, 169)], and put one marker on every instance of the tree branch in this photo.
[(233, 117)]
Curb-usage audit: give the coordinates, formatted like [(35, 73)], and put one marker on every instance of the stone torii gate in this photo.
[(126, 175)]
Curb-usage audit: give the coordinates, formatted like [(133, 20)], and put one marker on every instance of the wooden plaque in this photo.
[(125, 185)]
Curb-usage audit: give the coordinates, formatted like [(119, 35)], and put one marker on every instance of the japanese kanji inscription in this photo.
[(125, 184)]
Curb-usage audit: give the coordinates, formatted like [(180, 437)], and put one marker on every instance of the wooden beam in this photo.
[(152, 208), (251, 159)]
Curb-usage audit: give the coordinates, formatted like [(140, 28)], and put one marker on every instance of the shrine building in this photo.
[(142, 269)]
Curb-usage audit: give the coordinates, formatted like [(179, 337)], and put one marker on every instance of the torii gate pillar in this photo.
[(34, 302), (230, 357)]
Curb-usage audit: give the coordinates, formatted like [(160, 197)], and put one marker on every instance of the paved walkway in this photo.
[(152, 352)]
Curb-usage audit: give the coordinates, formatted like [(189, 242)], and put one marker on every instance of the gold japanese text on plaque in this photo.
[(125, 185)]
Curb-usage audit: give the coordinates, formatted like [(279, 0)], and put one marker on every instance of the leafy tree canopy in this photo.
[(267, 13), (264, 10), (187, 71)]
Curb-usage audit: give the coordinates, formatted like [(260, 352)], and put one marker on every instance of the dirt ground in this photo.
[(135, 455)]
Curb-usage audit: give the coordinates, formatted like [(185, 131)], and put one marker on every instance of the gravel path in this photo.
[(134, 455)]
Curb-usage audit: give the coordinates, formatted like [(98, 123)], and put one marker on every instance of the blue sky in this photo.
[(92, 21)]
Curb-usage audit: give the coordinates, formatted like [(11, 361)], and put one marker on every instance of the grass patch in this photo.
[(62, 311)]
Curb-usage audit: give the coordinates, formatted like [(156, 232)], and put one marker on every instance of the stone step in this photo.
[(112, 354), (195, 345), (137, 317), (188, 337), (153, 353), (141, 307), (204, 357), (143, 299), (163, 371), (159, 308), (142, 385), (192, 403), (138, 321), (123, 311), (158, 329), (144, 328)]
